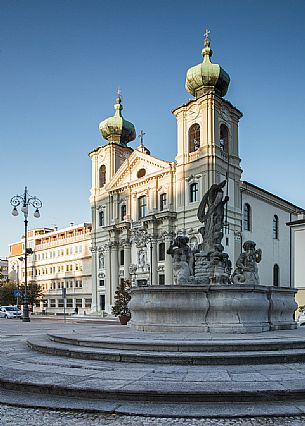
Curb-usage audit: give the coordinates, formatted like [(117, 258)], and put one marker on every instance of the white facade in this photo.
[(61, 259), (140, 202), (298, 248), (277, 249), (4, 269)]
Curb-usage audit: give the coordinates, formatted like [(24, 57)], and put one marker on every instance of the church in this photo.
[(139, 203)]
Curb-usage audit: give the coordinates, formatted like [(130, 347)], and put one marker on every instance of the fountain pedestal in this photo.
[(235, 308)]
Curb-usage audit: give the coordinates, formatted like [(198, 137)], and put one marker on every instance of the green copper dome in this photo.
[(207, 77), (116, 129)]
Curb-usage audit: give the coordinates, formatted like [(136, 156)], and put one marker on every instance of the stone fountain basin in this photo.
[(231, 308)]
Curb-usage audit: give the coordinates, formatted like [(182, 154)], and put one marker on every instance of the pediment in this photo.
[(129, 170)]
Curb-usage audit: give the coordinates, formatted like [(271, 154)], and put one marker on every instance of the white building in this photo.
[(61, 259), (4, 269), (298, 250), (140, 202)]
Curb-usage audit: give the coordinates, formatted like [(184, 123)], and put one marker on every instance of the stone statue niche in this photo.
[(212, 266), (246, 271)]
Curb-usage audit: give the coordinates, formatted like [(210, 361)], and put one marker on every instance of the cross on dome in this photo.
[(206, 37), (141, 137)]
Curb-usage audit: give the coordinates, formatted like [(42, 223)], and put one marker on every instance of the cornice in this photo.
[(270, 198)]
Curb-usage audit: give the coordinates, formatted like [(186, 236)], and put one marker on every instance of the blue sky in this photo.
[(62, 61)]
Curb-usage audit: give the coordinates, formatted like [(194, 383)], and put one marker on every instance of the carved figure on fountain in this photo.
[(246, 265), (182, 259), (211, 213), (212, 265)]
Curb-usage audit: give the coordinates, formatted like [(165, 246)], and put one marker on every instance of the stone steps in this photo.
[(111, 369), (185, 345), (130, 352)]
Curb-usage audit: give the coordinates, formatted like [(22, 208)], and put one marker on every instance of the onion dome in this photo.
[(116, 129), (207, 77)]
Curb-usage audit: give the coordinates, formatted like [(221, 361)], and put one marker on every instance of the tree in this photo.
[(35, 293), (122, 298), (7, 293)]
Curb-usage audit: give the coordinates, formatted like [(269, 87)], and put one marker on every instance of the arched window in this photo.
[(101, 218), (247, 217), (275, 227), (224, 138), (194, 137), (276, 275), (194, 192), (162, 251), (102, 176)]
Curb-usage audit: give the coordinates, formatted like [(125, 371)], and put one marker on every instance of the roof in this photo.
[(246, 184), (296, 222)]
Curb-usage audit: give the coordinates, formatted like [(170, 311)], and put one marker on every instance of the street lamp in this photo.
[(25, 201)]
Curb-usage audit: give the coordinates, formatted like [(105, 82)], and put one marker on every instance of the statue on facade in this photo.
[(246, 265), (211, 213), (182, 259), (141, 259)]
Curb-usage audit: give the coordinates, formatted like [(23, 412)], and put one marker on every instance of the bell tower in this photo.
[(207, 128)]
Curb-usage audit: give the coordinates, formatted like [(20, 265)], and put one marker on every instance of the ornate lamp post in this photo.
[(25, 201)]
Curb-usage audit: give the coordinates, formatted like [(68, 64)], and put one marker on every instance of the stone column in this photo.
[(127, 259), (94, 306), (114, 270), (154, 262), (134, 209), (169, 279), (107, 249)]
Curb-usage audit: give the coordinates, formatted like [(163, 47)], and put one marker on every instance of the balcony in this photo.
[(63, 241)]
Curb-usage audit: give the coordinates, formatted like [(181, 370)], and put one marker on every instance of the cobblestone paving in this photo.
[(37, 417)]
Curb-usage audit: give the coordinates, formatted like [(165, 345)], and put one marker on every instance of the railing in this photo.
[(70, 291), (63, 241), (193, 155)]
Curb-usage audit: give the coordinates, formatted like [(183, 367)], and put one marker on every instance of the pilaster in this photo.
[(114, 270), (169, 279), (94, 305), (127, 259)]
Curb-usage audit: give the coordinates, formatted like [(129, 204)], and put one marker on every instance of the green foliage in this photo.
[(7, 297), (35, 293), (122, 298), (7, 293)]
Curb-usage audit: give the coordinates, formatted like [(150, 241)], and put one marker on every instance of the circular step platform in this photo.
[(118, 370), (126, 345)]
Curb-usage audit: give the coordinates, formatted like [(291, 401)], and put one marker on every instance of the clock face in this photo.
[(225, 114), (194, 111)]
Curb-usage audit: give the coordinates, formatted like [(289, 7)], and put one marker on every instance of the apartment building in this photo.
[(60, 264)]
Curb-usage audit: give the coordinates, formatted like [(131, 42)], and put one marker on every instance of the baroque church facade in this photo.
[(139, 202)]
